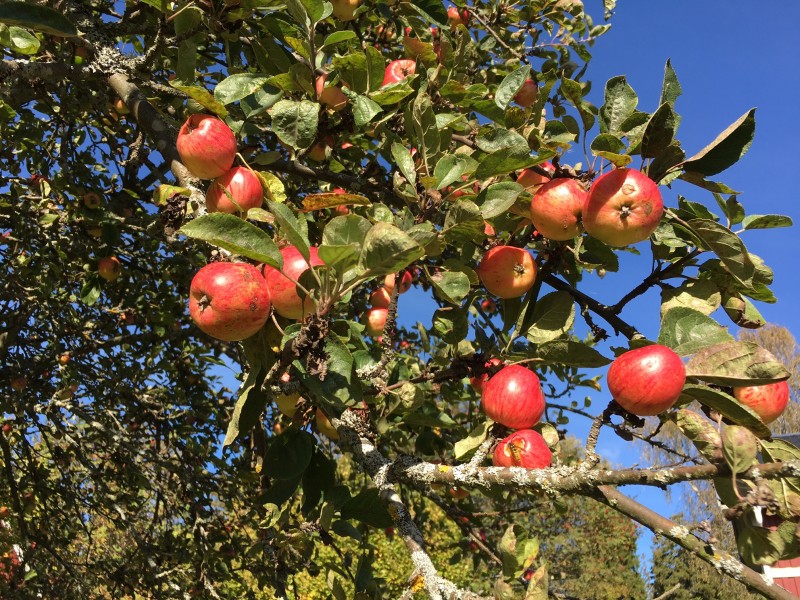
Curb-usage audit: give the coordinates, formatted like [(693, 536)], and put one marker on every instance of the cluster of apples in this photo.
[(108, 267), (623, 207), (376, 315)]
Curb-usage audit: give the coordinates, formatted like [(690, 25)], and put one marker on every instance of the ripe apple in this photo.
[(489, 306), (624, 207), (513, 397), (320, 151), (458, 493), (556, 209), (374, 321), (527, 94), (324, 425), (457, 17), (405, 282), (524, 448), (283, 284), (333, 97), (4, 512), (507, 272), (229, 301), (397, 70), (531, 180), (477, 381), (120, 107), (64, 358), (92, 200), (647, 381), (380, 298), (109, 268), (344, 9), (19, 383), (767, 401), (237, 186), (206, 145)]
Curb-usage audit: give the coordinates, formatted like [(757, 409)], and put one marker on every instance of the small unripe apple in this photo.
[(109, 268), (333, 97), (344, 9), (92, 200), (374, 321), (324, 425), (229, 301), (767, 401), (524, 448), (207, 146), (397, 70), (287, 403), (623, 207), (283, 284), (527, 94), (513, 397), (647, 381), (507, 271), (405, 282), (234, 192), (380, 298), (556, 209)]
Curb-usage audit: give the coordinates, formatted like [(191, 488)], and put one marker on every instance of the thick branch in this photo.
[(720, 560)]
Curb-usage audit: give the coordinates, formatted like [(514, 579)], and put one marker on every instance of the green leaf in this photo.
[(727, 148), (295, 123), (701, 295), (619, 104), (463, 222), (700, 431), (346, 230), (388, 250), (450, 168), (571, 354), (91, 291), (423, 120), (364, 110), (240, 85), (203, 97), (686, 331), (393, 93), (289, 454), (290, 227), (469, 444), (736, 364), (404, 161), (498, 198), (451, 324), (19, 40), (505, 161), (553, 316), (739, 447), (249, 406), (510, 86), (727, 246), (766, 221), (451, 286), (574, 92), (726, 405), (607, 142), (37, 17), (368, 507), (670, 88), (337, 37), (742, 312), (432, 10), (659, 131), (712, 186), (235, 235), (758, 545)]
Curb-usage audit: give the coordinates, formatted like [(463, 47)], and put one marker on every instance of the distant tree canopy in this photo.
[(384, 145)]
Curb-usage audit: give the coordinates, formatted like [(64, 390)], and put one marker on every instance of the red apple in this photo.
[(489, 306), (374, 321), (624, 207), (380, 298), (457, 17), (525, 448), (397, 70), (238, 190), (344, 9), (339, 191), (320, 151), (556, 209), (513, 397), (109, 268), (207, 146), (92, 200), (333, 97), (527, 94), (458, 493), (767, 401), (531, 180), (648, 380), (324, 425), (229, 301), (477, 381), (120, 107), (507, 272), (283, 284), (405, 282)]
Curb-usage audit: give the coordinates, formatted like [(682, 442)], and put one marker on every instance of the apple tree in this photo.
[(197, 190)]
